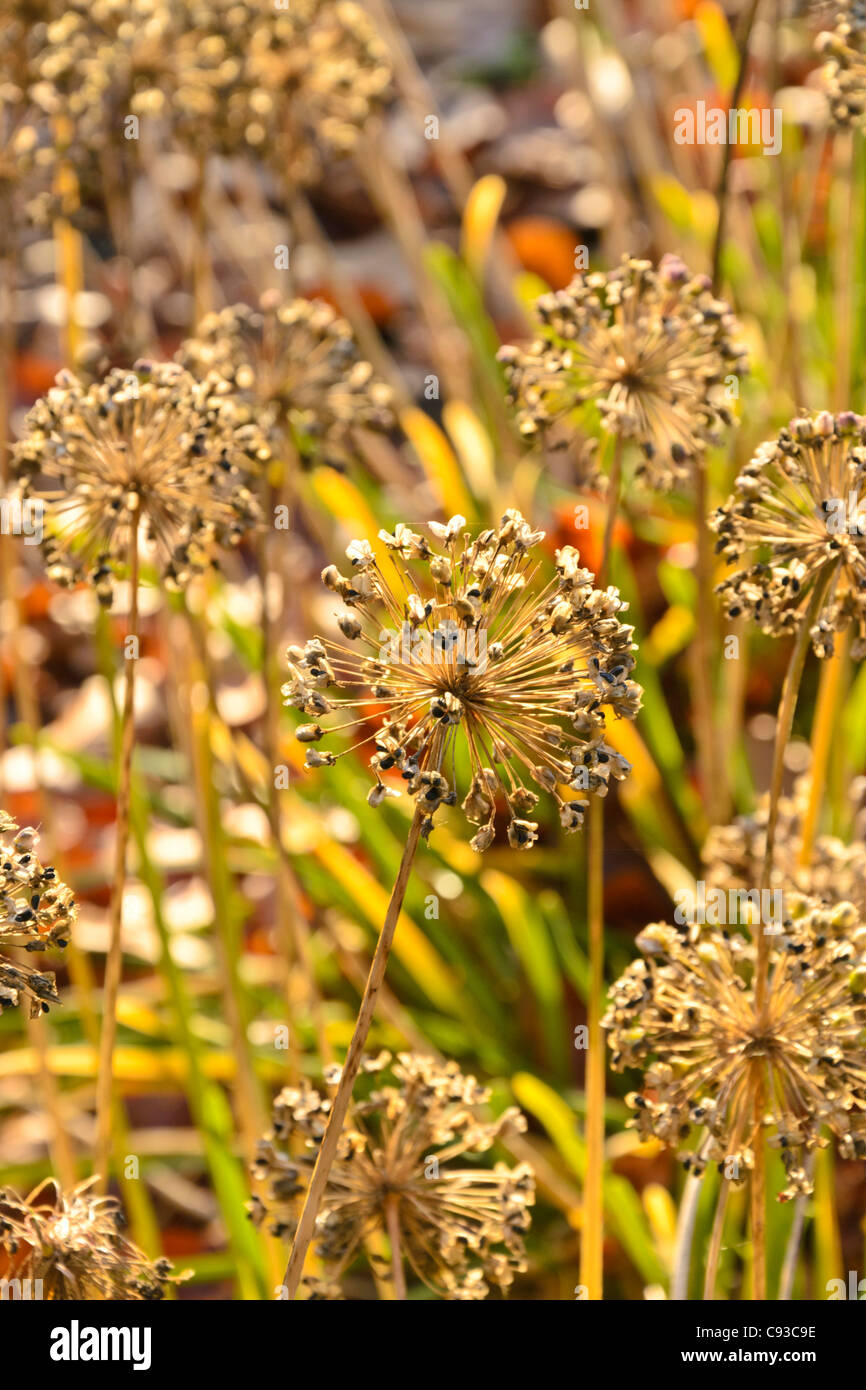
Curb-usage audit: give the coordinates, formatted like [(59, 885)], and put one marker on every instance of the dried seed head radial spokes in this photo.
[(414, 1143), (686, 1016), (650, 349), (295, 372), (151, 450), (800, 506), (71, 1243), (36, 914), (465, 645)]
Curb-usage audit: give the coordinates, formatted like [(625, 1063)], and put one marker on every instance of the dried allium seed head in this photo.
[(412, 1146), (836, 872), (650, 349), (844, 73), (800, 504), (686, 1016), (36, 914), (230, 75), (518, 674), (319, 71), (71, 1242), (296, 374), (151, 449)]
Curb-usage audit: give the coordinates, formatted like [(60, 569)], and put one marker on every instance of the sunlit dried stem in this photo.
[(114, 961), (342, 1099), (592, 1230)]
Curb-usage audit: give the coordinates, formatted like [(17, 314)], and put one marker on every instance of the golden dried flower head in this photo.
[(835, 872), (296, 377), (461, 648), (72, 1243), (800, 504), (411, 1152), (292, 82), (651, 350), (36, 914), (151, 451), (686, 1016), (844, 73), (320, 71)]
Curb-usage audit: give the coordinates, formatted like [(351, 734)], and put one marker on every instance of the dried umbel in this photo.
[(844, 74), (686, 1016), (800, 506), (410, 1153), (321, 72), (291, 82), (71, 1242), (652, 351), (152, 452), (463, 648), (36, 914), (836, 871), (296, 377)]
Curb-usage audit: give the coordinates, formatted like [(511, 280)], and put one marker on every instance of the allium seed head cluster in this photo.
[(295, 373), (71, 1242), (836, 872), (649, 349), (686, 1016), (291, 83), (465, 647), (799, 505), (151, 449), (844, 48), (413, 1143), (36, 914)]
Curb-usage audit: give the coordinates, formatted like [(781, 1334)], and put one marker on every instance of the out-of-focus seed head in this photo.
[(296, 377), (800, 506), (413, 1144), (71, 1242), (844, 74), (836, 871), (651, 350), (686, 1016), (152, 450)]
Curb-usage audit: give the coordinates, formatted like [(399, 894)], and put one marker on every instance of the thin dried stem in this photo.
[(343, 1097), (114, 962), (398, 1274)]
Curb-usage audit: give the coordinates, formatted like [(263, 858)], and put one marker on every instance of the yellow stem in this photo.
[(114, 962)]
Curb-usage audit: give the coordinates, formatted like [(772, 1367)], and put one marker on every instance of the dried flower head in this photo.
[(296, 377), (71, 1242), (36, 914), (152, 450), (412, 1148), (229, 75), (686, 1015), (844, 74), (800, 504), (465, 647), (651, 350), (836, 871), (319, 71)]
